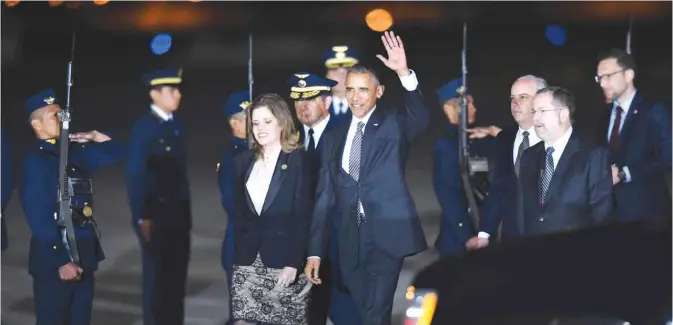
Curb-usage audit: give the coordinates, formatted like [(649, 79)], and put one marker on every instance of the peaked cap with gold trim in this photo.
[(236, 103), (169, 77), (41, 99), (340, 56), (306, 86)]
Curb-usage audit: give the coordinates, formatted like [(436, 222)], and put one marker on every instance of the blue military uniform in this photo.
[(238, 102), (57, 301), (332, 295), (455, 229), (7, 183), (158, 191), (340, 56)]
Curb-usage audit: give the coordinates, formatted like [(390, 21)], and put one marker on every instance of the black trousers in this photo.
[(318, 307), (373, 281), (170, 250)]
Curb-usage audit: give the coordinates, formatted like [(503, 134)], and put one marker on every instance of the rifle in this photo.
[(65, 188), (248, 132), (628, 35), (468, 165)]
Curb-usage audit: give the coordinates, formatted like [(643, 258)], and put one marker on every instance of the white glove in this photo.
[(287, 276)]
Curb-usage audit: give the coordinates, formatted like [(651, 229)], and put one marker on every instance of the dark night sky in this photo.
[(504, 42)]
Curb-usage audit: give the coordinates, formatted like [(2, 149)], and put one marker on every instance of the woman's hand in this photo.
[(287, 276)]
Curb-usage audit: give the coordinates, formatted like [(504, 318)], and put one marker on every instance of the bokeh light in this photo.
[(379, 20)]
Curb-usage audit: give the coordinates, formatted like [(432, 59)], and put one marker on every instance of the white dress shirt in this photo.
[(318, 130), (163, 115), (260, 179), (626, 105), (559, 146), (533, 139), (340, 105)]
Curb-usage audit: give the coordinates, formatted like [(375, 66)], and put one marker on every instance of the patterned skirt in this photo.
[(257, 297)]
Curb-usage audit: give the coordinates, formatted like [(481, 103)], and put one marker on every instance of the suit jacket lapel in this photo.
[(629, 120), (276, 180), (511, 139), (371, 130), (342, 135), (563, 166)]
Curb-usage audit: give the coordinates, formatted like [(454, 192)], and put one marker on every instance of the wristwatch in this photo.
[(621, 175)]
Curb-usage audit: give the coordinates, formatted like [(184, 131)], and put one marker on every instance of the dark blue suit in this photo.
[(226, 179), (503, 195), (333, 293), (158, 189), (7, 182), (371, 255), (455, 227), (645, 148), (580, 192), (56, 301)]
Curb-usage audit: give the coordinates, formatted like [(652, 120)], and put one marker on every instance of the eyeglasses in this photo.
[(535, 112), (607, 75)]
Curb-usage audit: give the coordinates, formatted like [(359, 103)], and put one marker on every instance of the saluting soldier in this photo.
[(337, 61), (63, 291), (7, 183), (455, 227), (234, 111), (312, 98), (158, 189)]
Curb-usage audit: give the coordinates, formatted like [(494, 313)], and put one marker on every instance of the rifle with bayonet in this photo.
[(66, 183), (250, 82), (469, 166)]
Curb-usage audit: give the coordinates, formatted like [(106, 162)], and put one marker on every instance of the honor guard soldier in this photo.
[(7, 183), (312, 99), (158, 189), (63, 291), (234, 111), (337, 61), (455, 227)]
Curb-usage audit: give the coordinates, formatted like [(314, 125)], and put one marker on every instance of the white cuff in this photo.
[(410, 83), (310, 257), (627, 174), (482, 234)]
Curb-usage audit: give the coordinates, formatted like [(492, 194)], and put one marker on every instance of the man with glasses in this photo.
[(500, 205), (565, 184), (638, 133)]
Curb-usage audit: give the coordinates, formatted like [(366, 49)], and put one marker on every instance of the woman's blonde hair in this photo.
[(289, 138)]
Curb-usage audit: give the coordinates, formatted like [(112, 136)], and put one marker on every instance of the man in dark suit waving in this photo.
[(565, 184), (362, 178)]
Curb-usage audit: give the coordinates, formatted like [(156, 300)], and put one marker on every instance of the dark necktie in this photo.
[(548, 172), (311, 141), (354, 164), (614, 135), (523, 146)]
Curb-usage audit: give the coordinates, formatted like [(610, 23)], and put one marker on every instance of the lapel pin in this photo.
[(283, 167), (376, 124), (635, 112)]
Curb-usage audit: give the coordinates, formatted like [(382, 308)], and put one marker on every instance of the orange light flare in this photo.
[(10, 4), (53, 3), (379, 20), (100, 2)]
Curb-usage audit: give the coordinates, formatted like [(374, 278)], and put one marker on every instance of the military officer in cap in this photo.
[(158, 190), (63, 291), (455, 227), (7, 183), (337, 61), (312, 98), (234, 111)]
